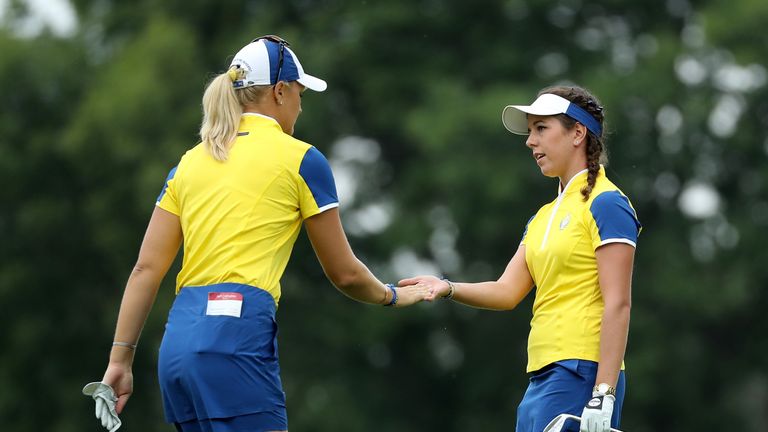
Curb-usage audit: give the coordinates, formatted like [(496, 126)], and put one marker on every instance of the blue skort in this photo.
[(220, 366)]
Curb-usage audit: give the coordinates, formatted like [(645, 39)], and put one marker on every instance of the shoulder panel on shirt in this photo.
[(316, 172), (525, 231), (165, 186), (615, 218), (167, 200)]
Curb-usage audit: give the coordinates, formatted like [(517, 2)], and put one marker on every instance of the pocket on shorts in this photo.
[(216, 334), (249, 335), (261, 339)]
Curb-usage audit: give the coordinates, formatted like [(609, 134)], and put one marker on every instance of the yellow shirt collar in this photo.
[(252, 120), (578, 181)]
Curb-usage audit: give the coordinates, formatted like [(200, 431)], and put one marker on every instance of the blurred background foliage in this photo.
[(100, 98)]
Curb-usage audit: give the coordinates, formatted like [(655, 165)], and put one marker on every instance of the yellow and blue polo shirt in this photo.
[(241, 217), (560, 242)]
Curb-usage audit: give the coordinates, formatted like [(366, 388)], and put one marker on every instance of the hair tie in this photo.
[(233, 72), (594, 106)]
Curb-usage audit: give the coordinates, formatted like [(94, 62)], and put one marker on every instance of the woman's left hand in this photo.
[(596, 416)]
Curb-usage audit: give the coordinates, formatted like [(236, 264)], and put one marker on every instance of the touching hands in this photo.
[(436, 288), (421, 288), (411, 294), (596, 416)]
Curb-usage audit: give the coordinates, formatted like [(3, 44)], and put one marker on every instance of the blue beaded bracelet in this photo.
[(394, 295)]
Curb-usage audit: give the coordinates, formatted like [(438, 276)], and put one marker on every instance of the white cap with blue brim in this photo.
[(261, 61), (515, 117)]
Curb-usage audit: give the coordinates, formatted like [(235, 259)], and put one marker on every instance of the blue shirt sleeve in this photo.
[(316, 172), (525, 231), (165, 186), (615, 218)]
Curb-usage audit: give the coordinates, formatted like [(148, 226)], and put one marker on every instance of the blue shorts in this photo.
[(219, 366), (563, 387)]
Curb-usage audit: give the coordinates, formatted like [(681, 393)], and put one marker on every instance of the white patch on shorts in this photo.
[(225, 303)]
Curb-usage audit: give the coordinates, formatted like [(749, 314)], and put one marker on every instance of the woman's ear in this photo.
[(278, 92), (580, 134)]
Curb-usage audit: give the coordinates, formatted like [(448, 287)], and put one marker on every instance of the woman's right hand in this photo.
[(409, 295), (436, 287), (120, 378)]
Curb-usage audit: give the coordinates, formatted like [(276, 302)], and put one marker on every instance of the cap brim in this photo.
[(313, 83)]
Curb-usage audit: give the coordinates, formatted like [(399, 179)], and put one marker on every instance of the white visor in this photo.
[(515, 117)]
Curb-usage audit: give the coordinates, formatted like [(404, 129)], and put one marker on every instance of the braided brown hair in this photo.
[(595, 148)]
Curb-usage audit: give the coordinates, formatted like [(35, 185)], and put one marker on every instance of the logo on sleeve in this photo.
[(564, 222)]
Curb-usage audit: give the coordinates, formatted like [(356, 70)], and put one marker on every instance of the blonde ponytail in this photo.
[(222, 109), (221, 116)]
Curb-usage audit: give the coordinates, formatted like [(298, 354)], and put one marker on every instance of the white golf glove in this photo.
[(596, 416), (105, 404)]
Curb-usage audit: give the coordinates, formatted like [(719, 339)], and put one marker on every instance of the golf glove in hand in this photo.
[(105, 404), (596, 416)]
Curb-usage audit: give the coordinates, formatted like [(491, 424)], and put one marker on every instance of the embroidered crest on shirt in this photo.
[(565, 221)]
